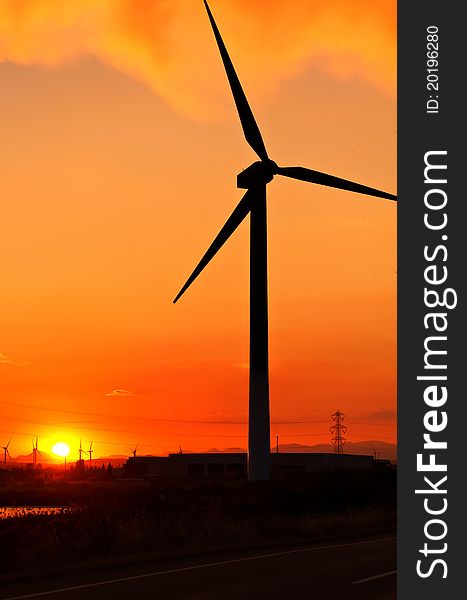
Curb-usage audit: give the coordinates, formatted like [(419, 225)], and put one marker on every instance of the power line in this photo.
[(243, 421), (161, 419)]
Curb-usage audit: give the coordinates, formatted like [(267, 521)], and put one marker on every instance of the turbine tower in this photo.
[(255, 179), (6, 452)]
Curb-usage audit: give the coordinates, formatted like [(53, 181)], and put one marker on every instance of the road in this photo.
[(365, 570)]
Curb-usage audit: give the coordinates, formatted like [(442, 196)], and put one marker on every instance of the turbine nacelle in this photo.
[(259, 173)]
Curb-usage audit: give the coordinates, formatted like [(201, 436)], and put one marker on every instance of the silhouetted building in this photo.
[(234, 465)]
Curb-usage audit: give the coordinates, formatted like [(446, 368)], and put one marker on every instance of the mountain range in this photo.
[(382, 449)]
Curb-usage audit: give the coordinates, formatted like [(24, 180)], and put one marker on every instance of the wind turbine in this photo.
[(134, 451), (80, 450), (6, 452), (90, 451), (255, 179), (35, 451)]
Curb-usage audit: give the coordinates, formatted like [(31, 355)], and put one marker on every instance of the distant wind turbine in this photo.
[(35, 451), (6, 452), (90, 451), (134, 451), (80, 450), (255, 179)]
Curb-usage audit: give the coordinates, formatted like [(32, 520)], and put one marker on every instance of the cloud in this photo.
[(242, 365), (120, 393), (4, 360), (383, 414), (169, 45)]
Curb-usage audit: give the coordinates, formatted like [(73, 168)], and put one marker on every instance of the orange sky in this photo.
[(119, 150)]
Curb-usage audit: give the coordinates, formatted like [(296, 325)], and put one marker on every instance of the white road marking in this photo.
[(194, 568), (374, 577)]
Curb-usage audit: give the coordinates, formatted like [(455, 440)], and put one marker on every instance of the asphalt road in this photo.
[(350, 570)]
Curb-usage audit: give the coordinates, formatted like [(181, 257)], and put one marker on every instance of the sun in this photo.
[(61, 449)]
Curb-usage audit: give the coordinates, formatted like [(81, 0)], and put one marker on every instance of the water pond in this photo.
[(20, 512)]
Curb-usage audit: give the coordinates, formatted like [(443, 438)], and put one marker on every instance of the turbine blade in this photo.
[(250, 127), (329, 180), (240, 212)]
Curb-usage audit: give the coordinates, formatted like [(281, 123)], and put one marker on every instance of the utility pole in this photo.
[(337, 430)]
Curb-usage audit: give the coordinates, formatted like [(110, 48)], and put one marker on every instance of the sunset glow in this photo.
[(61, 449), (119, 149)]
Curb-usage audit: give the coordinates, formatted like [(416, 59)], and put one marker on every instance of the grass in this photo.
[(191, 518)]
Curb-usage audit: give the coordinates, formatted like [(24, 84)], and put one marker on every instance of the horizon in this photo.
[(386, 450)]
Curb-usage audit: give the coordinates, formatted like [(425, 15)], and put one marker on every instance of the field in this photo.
[(110, 522)]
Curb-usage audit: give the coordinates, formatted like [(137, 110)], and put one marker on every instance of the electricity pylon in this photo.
[(337, 430)]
